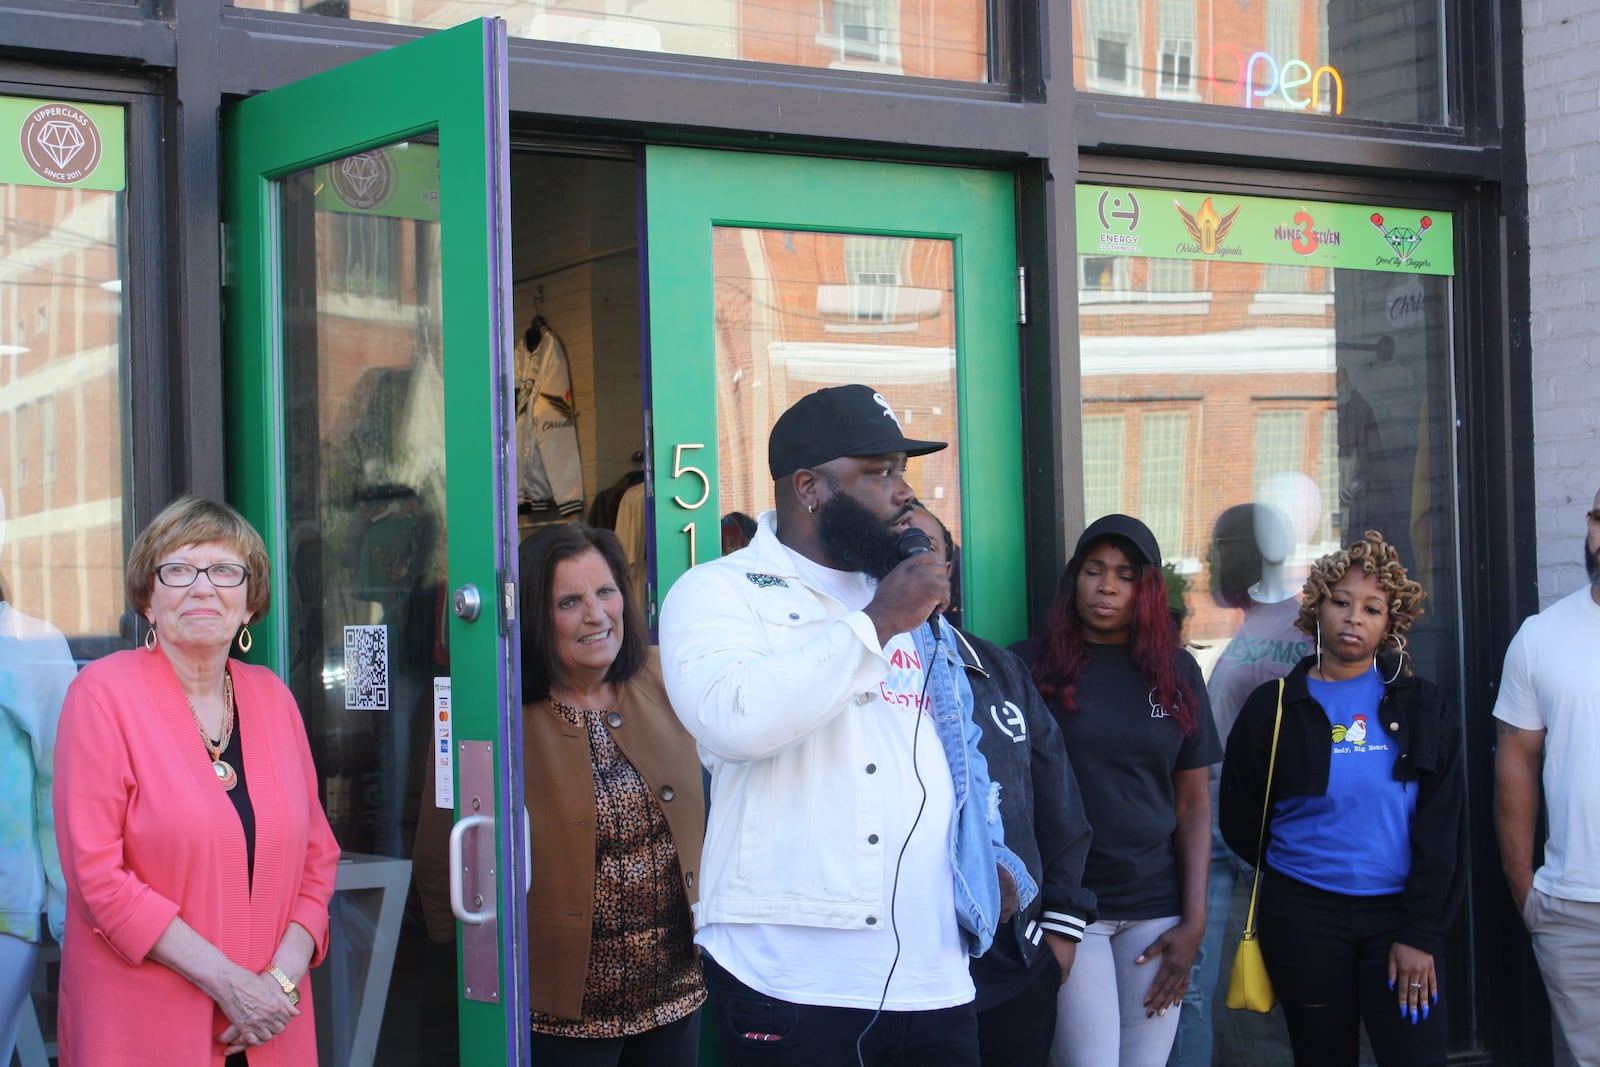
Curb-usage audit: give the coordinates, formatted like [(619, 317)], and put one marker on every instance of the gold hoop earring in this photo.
[(246, 642), (150, 639)]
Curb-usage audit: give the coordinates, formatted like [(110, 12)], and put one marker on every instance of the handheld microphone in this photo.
[(913, 542)]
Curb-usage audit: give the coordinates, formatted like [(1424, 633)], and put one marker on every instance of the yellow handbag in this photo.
[(1249, 988)]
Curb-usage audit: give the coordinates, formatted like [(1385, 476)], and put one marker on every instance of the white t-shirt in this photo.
[(848, 968), (1549, 684)]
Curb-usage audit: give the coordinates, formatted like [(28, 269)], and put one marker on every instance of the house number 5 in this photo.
[(680, 469)]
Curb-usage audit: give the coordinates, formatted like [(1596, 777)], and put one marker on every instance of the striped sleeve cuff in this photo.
[(1064, 923)]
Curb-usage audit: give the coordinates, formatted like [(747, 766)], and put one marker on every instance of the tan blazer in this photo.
[(558, 788)]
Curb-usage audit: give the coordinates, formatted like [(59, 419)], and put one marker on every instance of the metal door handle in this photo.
[(458, 906)]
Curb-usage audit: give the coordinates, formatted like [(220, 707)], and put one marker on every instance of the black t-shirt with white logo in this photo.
[(1124, 748)]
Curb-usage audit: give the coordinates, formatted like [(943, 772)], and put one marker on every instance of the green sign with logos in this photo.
[(62, 144), (397, 181), (1167, 224)]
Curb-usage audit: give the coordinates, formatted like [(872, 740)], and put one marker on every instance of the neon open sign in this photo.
[(1260, 75)]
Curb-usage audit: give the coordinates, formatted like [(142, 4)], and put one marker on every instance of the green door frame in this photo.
[(691, 191), (378, 100)]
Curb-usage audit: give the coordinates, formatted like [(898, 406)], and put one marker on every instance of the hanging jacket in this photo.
[(549, 468)]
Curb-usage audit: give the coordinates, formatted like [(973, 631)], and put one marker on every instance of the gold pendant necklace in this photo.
[(226, 776)]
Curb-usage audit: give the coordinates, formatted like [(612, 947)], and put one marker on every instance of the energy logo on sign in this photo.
[(61, 144)]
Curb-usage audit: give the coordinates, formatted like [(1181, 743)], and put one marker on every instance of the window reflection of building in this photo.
[(797, 312), (1328, 57), (61, 409), (944, 39)]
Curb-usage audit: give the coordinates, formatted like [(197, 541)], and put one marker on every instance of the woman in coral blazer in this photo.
[(198, 861)]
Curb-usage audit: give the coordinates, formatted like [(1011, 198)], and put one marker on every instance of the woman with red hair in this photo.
[(1133, 712)]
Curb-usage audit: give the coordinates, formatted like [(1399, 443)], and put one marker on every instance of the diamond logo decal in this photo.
[(364, 180), (61, 144)]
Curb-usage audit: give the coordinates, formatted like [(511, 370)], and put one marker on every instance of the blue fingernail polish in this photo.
[(1436, 996), (1413, 1016), (1402, 1011), (1391, 985), (1424, 1012)]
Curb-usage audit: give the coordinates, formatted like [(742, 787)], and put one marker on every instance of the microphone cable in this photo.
[(894, 885)]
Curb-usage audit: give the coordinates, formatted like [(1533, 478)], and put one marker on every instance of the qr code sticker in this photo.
[(366, 668)]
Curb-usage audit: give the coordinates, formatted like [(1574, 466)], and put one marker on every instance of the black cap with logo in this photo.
[(847, 420)]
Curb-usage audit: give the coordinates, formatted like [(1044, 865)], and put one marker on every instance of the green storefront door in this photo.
[(369, 416)]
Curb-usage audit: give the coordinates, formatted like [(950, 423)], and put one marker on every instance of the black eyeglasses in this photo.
[(221, 575)]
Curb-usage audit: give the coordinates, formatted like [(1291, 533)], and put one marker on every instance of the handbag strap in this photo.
[(1266, 805)]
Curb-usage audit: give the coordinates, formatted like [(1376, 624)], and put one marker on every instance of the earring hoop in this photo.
[(150, 639), (811, 508), (1400, 658), (1319, 651), (246, 642)]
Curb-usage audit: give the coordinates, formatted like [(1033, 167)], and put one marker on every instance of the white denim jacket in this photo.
[(761, 669)]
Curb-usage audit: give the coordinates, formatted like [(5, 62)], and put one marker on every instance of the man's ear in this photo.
[(807, 486)]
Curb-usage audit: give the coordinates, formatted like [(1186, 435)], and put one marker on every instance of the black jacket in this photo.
[(1039, 802), (1425, 728)]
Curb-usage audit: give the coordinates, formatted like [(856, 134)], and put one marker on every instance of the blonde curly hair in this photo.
[(1376, 557)]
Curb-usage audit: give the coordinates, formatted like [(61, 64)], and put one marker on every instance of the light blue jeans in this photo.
[(1193, 1045), (1105, 985)]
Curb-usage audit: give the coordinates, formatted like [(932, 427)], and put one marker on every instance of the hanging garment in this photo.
[(549, 468)]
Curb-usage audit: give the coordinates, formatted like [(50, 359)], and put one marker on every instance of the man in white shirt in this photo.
[(1549, 722), (853, 834)]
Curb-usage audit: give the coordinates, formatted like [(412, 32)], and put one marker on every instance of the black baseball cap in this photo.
[(846, 420), (1126, 527)]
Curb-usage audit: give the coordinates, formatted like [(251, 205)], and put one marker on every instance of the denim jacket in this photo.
[(771, 678), (977, 837)]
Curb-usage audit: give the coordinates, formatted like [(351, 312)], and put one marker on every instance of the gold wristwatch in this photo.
[(290, 990)]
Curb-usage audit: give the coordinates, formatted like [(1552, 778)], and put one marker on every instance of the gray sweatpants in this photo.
[(1566, 940)]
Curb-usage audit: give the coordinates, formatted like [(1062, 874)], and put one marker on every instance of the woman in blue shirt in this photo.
[(1366, 821)]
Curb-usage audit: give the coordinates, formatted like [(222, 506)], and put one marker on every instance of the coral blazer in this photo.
[(147, 834)]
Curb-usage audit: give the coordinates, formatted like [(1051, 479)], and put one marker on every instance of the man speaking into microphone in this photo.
[(853, 856)]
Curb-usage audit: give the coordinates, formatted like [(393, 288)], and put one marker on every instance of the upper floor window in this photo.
[(941, 39), (1373, 62)]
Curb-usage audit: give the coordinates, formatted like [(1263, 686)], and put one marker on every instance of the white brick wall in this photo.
[(1563, 102)]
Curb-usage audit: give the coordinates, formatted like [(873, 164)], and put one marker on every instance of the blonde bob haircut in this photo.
[(1374, 556), (194, 520)]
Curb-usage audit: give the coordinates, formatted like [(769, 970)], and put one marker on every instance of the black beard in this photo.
[(855, 538), (1591, 560)]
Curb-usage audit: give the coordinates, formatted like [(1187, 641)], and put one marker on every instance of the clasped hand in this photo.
[(258, 1009)]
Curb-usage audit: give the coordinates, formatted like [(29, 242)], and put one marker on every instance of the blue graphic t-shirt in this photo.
[(1357, 838)]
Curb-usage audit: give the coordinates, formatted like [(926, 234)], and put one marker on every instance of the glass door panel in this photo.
[(787, 274), (797, 312), (367, 579), (370, 421)]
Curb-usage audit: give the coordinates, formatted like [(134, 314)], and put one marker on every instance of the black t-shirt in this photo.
[(1124, 749)]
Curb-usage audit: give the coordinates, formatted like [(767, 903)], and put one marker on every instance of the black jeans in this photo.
[(1328, 957), (754, 1030), (1017, 1031), (675, 1044)]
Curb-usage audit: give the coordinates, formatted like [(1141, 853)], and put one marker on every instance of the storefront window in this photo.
[(944, 39), (1294, 395), (63, 497), (1379, 62)]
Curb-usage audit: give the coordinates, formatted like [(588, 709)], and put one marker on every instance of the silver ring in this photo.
[(1416, 985)]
